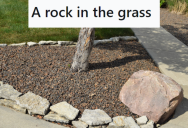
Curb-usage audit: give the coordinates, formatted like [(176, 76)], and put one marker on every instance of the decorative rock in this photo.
[(96, 42), (142, 120), (3, 45), (115, 39), (18, 108), (102, 41), (113, 125), (34, 103), (65, 42), (20, 44), (55, 45), (47, 42), (42, 42), (95, 117), (152, 94), (148, 125), (100, 126), (12, 104), (158, 125), (8, 92), (55, 117), (95, 126), (106, 40), (51, 42), (31, 43), (127, 38), (131, 123), (118, 122), (79, 124), (8, 103), (66, 110)]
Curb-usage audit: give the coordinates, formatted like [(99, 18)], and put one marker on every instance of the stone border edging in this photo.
[(60, 43), (64, 112)]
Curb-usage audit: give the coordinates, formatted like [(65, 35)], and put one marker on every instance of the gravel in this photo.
[(44, 71)]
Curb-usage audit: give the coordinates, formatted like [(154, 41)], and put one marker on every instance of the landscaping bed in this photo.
[(45, 71)]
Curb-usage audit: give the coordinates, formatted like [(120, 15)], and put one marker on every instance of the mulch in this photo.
[(44, 71)]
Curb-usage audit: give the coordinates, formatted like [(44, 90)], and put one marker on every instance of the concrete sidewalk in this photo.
[(10, 118), (171, 56)]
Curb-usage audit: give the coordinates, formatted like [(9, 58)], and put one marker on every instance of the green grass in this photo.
[(14, 27)]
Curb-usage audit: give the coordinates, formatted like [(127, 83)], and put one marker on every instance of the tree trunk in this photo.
[(84, 47)]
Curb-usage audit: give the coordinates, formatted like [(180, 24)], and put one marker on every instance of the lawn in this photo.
[(14, 27)]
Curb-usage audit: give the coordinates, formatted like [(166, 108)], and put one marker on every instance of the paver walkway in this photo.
[(171, 56)]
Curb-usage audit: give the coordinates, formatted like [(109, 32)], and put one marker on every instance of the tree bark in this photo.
[(84, 47)]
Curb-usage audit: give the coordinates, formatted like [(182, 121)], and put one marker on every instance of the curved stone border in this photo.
[(60, 43), (64, 112)]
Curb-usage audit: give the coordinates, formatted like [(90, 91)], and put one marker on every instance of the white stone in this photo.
[(1, 83), (79, 124), (95, 117), (3, 45), (18, 108), (65, 42), (130, 121), (55, 117), (115, 39), (96, 42), (34, 103), (158, 125), (97, 126), (32, 43), (66, 110), (55, 45), (105, 41), (127, 38), (150, 124), (142, 120), (42, 42), (8, 103), (12, 104), (19, 44), (102, 41), (51, 42), (118, 122), (8, 92), (113, 125), (47, 42)]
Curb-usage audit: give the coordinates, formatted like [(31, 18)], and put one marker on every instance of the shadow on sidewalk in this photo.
[(164, 48), (179, 33), (181, 108)]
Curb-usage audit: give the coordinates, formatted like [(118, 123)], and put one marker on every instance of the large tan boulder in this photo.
[(152, 94)]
